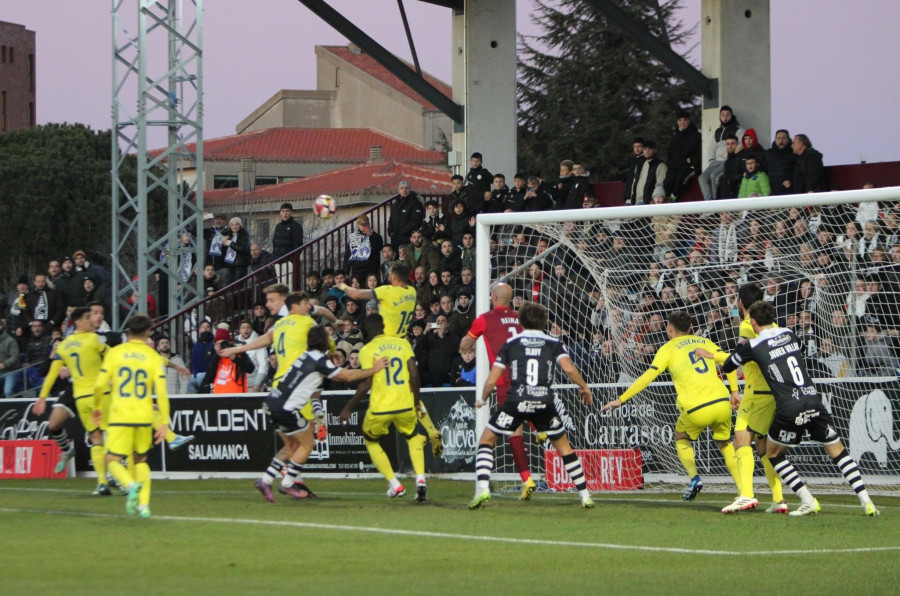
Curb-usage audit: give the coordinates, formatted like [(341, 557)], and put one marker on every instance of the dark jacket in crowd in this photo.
[(56, 310), (406, 216), (781, 167), (581, 186), (809, 173), (730, 183), (632, 171), (288, 235), (479, 181)]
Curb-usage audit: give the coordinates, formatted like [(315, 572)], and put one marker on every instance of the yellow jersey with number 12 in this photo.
[(391, 392), (397, 306)]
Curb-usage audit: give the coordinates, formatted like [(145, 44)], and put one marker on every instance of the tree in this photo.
[(55, 197), (586, 89)]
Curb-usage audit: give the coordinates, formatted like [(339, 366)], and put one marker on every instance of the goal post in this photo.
[(610, 277)]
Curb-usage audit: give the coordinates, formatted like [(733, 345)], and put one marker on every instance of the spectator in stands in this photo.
[(226, 375), (96, 293), (755, 183), (732, 171), (407, 214), (500, 191), (260, 358), (809, 173), (451, 258), (878, 358), (446, 304), (459, 192), (560, 193), (9, 360), (781, 161), (776, 294), (211, 280), (651, 174), (750, 146), (418, 252), (463, 368), (725, 239), (830, 361), (441, 347), (717, 152), (43, 302), (68, 283), (288, 234), (175, 384), (467, 252), (871, 239), (579, 188), (463, 314), (449, 285), (259, 258), (683, 160), (363, 250), (479, 179), (236, 245), (434, 226), (37, 351), (461, 222), (201, 354), (100, 275), (536, 199), (516, 199), (633, 167)]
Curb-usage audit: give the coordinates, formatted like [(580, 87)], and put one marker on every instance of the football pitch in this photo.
[(220, 536)]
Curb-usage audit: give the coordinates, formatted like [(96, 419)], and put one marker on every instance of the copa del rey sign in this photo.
[(604, 469), (29, 459)]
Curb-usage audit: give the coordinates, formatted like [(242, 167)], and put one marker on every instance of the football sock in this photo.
[(417, 453), (686, 455), (790, 477), (394, 483), (774, 480), (119, 472), (273, 471), (158, 421), (62, 438), (380, 459), (731, 463), (98, 458), (575, 471), (746, 463), (142, 475), (850, 471), (520, 458), (484, 463), (293, 474)]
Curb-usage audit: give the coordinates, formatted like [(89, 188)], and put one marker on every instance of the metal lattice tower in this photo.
[(157, 98)]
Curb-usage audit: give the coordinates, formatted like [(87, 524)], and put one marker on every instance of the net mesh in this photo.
[(832, 273)]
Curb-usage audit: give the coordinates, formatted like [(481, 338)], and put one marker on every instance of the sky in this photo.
[(833, 71)]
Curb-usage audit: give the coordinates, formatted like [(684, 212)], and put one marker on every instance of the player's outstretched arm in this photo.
[(263, 341), (466, 343), (568, 367), (361, 390), (345, 375), (355, 293), (611, 405), (415, 384), (493, 377), (51, 377), (321, 311)]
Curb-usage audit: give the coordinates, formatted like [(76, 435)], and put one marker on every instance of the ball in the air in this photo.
[(325, 206)]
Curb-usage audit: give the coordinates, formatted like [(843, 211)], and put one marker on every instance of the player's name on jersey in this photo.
[(136, 355), (509, 320), (219, 452), (191, 421), (791, 348)]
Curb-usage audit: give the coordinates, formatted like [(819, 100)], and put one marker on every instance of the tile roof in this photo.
[(372, 178), (367, 64), (315, 145)]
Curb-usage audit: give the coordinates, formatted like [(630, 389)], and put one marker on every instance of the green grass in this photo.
[(219, 536)]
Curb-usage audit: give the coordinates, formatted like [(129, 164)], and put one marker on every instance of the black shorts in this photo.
[(513, 413), (289, 423), (814, 419), (67, 401)]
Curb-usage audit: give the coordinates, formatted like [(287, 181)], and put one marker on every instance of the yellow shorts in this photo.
[(716, 416), (85, 406), (377, 425), (756, 412), (125, 440)]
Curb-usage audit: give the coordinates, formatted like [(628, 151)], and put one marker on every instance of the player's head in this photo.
[(533, 316), (762, 314), (298, 303), (399, 274), (374, 325), (275, 296), (98, 313), (501, 295), (138, 326), (82, 318), (318, 339), (679, 323), (747, 295)]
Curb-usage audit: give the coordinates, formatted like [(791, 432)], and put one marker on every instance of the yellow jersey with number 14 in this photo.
[(132, 373), (397, 306), (391, 392)]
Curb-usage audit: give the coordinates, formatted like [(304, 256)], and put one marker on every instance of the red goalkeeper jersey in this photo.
[(497, 326)]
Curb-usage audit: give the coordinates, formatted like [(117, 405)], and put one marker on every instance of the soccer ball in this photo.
[(325, 206)]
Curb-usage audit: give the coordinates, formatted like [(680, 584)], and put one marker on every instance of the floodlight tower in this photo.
[(157, 97)]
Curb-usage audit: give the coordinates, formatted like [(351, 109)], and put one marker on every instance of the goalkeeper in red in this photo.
[(531, 357), (703, 402), (798, 406)]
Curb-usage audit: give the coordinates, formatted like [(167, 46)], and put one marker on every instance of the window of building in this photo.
[(225, 181), (31, 71), (12, 55), (262, 229), (3, 54), (266, 180), (31, 119)]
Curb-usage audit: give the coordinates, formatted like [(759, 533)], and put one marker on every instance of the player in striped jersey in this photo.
[(300, 386)]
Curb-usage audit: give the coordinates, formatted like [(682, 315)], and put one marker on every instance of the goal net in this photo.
[(829, 263)]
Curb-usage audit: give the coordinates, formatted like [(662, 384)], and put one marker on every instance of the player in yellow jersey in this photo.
[(289, 338), (397, 305), (702, 401), (132, 374), (394, 400), (755, 412), (82, 354)]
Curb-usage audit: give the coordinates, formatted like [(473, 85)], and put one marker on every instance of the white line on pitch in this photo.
[(469, 537)]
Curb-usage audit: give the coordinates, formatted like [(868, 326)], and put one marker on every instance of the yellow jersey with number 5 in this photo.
[(132, 373), (391, 392), (82, 354), (289, 336), (397, 306)]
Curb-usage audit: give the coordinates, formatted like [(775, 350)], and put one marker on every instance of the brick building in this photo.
[(17, 77)]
